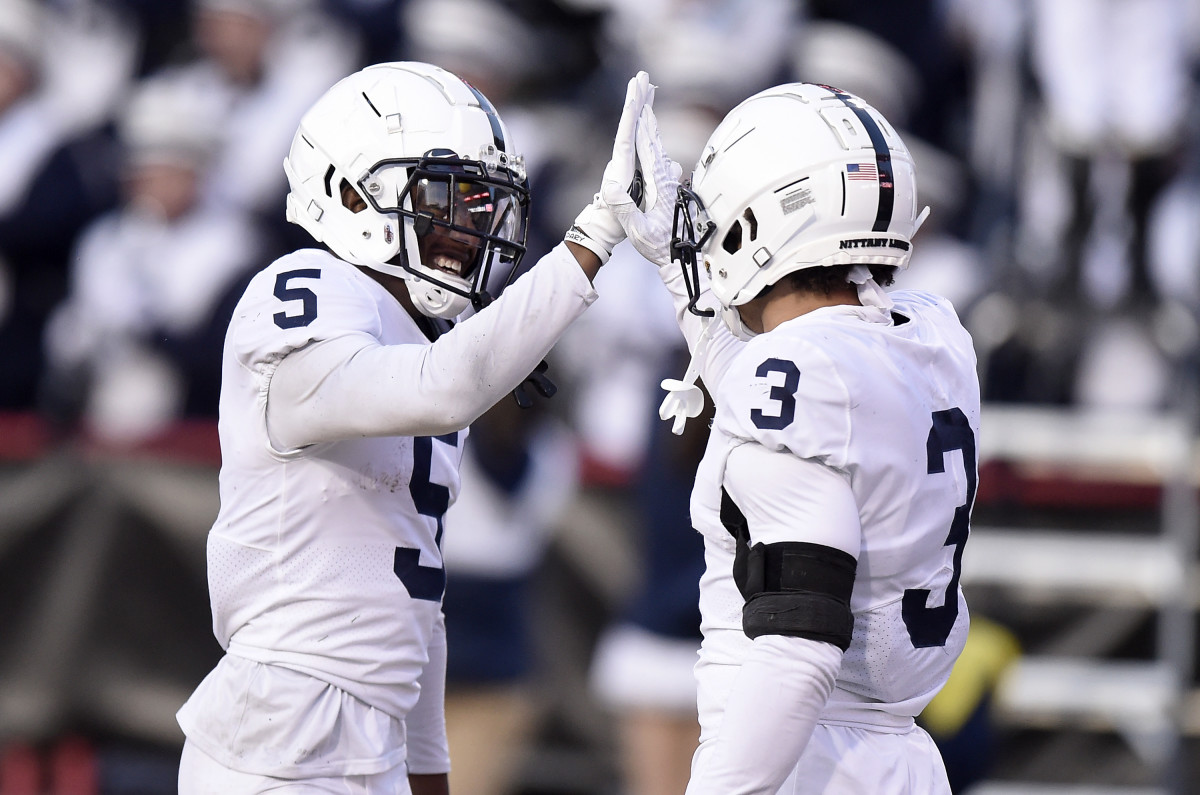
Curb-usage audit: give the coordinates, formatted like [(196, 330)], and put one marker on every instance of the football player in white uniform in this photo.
[(343, 413), (836, 489)]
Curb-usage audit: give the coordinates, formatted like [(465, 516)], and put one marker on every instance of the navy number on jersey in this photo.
[(931, 626), (784, 395), (306, 297), (431, 499)]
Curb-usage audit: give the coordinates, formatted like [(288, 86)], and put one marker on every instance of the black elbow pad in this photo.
[(795, 588), (806, 593)]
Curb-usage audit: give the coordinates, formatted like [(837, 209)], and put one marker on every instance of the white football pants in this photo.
[(200, 774)]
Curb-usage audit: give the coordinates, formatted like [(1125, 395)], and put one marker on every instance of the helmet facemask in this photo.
[(460, 219), (690, 230)]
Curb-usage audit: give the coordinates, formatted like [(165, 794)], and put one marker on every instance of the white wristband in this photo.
[(597, 230)]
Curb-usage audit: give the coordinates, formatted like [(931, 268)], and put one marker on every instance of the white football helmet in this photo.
[(407, 169), (797, 176)]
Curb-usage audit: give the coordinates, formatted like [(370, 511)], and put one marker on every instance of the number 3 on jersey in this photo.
[(951, 431), (784, 394), (931, 626), (430, 499)]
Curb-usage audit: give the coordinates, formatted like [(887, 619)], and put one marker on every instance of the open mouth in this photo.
[(443, 251), (447, 264)]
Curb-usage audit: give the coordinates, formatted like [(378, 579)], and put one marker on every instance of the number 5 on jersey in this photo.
[(288, 294), (430, 499)]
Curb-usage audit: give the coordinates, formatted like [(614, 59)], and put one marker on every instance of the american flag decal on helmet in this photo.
[(861, 171)]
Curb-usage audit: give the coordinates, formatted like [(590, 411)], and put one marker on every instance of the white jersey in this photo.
[(342, 430), (851, 427), (893, 408)]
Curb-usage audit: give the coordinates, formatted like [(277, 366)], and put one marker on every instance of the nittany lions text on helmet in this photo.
[(407, 169), (797, 176)]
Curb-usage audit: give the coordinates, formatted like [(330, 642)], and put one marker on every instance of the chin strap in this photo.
[(684, 399), (869, 291)]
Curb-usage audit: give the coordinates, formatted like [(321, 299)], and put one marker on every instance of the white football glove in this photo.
[(640, 161), (597, 228)]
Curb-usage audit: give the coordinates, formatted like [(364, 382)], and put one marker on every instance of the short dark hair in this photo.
[(825, 280)]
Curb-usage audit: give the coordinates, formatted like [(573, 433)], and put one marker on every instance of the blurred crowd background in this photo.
[(1057, 143)]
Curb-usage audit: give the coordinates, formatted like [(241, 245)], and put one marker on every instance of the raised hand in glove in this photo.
[(639, 159), (597, 227)]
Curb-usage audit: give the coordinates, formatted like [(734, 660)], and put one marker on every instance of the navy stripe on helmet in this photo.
[(883, 161), (493, 116)]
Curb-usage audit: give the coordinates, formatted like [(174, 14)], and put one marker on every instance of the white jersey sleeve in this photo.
[(354, 383), (788, 498), (773, 707)]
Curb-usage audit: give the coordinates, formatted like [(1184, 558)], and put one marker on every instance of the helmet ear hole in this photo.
[(732, 242), (350, 198), (752, 222)]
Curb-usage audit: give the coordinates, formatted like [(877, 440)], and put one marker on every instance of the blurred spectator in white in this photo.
[(1114, 87), (612, 365), (1117, 89), (991, 37), (62, 70), (1094, 299), (62, 73), (712, 53), (138, 341), (519, 475), (263, 62), (498, 52)]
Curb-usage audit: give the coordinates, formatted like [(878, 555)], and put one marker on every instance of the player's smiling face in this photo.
[(464, 204)]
